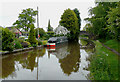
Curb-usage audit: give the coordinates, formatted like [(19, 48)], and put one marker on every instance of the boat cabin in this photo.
[(56, 40)]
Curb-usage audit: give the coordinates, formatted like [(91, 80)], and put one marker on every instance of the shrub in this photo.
[(44, 42), (22, 38), (31, 37), (7, 40), (25, 44), (9, 46), (34, 45), (0, 38), (39, 42), (17, 44)]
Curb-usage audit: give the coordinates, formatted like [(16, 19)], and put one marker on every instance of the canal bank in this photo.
[(104, 61), (19, 50), (104, 64)]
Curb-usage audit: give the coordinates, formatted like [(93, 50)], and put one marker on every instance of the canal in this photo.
[(68, 61)]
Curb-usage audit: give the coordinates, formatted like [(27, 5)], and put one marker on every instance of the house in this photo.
[(16, 31), (61, 30)]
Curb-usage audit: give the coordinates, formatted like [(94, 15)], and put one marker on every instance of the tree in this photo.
[(25, 19), (31, 37), (114, 22), (7, 40), (49, 27), (42, 32), (98, 19), (78, 16), (70, 21)]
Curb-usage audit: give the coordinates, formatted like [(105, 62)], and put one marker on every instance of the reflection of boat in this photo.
[(52, 48), (60, 50), (53, 41)]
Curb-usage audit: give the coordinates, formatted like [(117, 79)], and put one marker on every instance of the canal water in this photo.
[(67, 61)]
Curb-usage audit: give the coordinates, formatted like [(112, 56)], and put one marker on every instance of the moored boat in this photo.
[(53, 41)]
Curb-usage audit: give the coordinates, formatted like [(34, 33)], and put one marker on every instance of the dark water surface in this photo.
[(67, 61)]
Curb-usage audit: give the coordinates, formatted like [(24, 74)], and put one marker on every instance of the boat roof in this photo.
[(55, 38), (52, 39)]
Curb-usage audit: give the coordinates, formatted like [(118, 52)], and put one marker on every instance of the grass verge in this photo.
[(44, 42), (113, 44), (104, 64)]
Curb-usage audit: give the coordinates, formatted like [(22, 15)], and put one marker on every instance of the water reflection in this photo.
[(64, 61), (68, 55), (8, 66), (71, 62), (60, 51), (25, 59)]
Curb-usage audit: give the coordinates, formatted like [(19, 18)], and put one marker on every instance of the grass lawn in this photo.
[(104, 64), (44, 42), (113, 44), (2, 51)]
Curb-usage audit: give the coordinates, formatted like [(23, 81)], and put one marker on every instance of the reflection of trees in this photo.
[(90, 46), (41, 52), (8, 66), (26, 59), (29, 61), (0, 67), (71, 62)]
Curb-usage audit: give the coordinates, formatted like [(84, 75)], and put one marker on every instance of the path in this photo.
[(110, 49)]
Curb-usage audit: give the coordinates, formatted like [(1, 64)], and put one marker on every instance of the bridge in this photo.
[(86, 33)]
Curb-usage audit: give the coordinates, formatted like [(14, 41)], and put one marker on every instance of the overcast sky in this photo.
[(48, 9)]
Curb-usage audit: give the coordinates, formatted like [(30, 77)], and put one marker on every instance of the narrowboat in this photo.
[(53, 41)]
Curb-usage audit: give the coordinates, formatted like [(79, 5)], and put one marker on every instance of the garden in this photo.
[(10, 42)]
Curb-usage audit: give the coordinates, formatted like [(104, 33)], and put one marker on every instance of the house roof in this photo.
[(14, 30)]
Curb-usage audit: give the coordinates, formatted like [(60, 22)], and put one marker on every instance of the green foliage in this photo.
[(31, 37), (25, 44), (70, 21), (50, 33), (0, 38), (44, 42), (39, 42), (7, 40), (102, 22), (42, 32), (49, 27), (114, 44), (22, 38), (104, 64), (78, 16), (114, 22), (17, 44), (26, 18)]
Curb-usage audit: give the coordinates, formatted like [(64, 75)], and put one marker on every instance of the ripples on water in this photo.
[(65, 62)]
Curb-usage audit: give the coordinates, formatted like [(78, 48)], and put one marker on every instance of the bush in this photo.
[(17, 44), (25, 44), (9, 46), (7, 40), (44, 42), (34, 45), (22, 38), (19, 40), (39, 42), (0, 38), (31, 37)]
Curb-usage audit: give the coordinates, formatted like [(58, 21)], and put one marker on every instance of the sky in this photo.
[(48, 9)]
